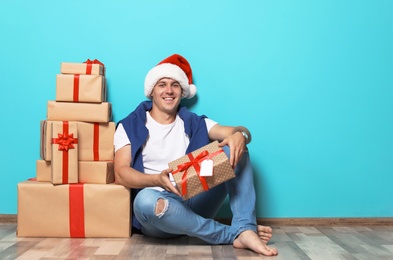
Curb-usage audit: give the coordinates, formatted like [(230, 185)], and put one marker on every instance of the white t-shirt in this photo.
[(164, 144)]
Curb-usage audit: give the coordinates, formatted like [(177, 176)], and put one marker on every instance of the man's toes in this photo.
[(264, 229)]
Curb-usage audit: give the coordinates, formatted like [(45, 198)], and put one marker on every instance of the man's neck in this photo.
[(162, 117)]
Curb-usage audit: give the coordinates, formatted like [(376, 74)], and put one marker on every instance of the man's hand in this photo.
[(237, 146), (232, 137), (165, 182)]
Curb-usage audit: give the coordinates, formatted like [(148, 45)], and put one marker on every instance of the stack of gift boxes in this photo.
[(73, 193)]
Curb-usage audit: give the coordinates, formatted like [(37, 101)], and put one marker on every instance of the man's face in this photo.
[(166, 95)]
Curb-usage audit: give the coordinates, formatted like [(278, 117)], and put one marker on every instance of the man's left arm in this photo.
[(235, 137)]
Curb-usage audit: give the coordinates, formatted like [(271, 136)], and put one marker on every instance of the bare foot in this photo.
[(251, 240), (265, 233)]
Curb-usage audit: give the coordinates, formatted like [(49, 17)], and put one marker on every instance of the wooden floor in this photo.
[(293, 242)]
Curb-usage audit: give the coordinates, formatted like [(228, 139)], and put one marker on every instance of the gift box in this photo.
[(73, 210), (95, 141), (43, 170), (86, 112), (94, 67), (101, 172), (187, 169), (96, 172), (64, 142), (80, 88)]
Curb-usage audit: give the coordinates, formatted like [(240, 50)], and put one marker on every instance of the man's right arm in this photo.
[(131, 178)]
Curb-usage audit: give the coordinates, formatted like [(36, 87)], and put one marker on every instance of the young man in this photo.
[(160, 131)]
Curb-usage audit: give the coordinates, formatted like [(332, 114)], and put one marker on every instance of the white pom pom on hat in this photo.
[(175, 67)]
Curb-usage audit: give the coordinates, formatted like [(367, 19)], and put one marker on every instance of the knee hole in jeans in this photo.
[(161, 207)]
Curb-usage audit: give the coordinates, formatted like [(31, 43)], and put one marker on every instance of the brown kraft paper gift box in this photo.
[(95, 141), (86, 112), (193, 184), (73, 210), (100, 172), (43, 170), (80, 88), (82, 68), (64, 166)]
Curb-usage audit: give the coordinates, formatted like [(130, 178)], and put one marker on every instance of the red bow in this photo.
[(65, 141), (195, 163), (95, 61), (90, 64), (184, 166)]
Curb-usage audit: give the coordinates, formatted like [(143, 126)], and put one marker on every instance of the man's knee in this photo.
[(161, 207), (145, 201)]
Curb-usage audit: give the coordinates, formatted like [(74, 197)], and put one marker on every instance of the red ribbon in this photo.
[(77, 210), (65, 141), (194, 162), (76, 88), (96, 141), (89, 65)]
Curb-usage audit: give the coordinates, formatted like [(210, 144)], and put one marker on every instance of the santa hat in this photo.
[(175, 67)]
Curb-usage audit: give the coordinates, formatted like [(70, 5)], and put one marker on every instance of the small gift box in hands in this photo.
[(201, 170)]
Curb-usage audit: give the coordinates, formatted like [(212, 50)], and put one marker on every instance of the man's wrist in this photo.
[(246, 134)]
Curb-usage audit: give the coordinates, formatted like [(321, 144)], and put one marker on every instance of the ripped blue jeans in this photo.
[(194, 217)]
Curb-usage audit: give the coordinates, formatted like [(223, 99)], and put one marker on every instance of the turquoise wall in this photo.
[(312, 80)]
